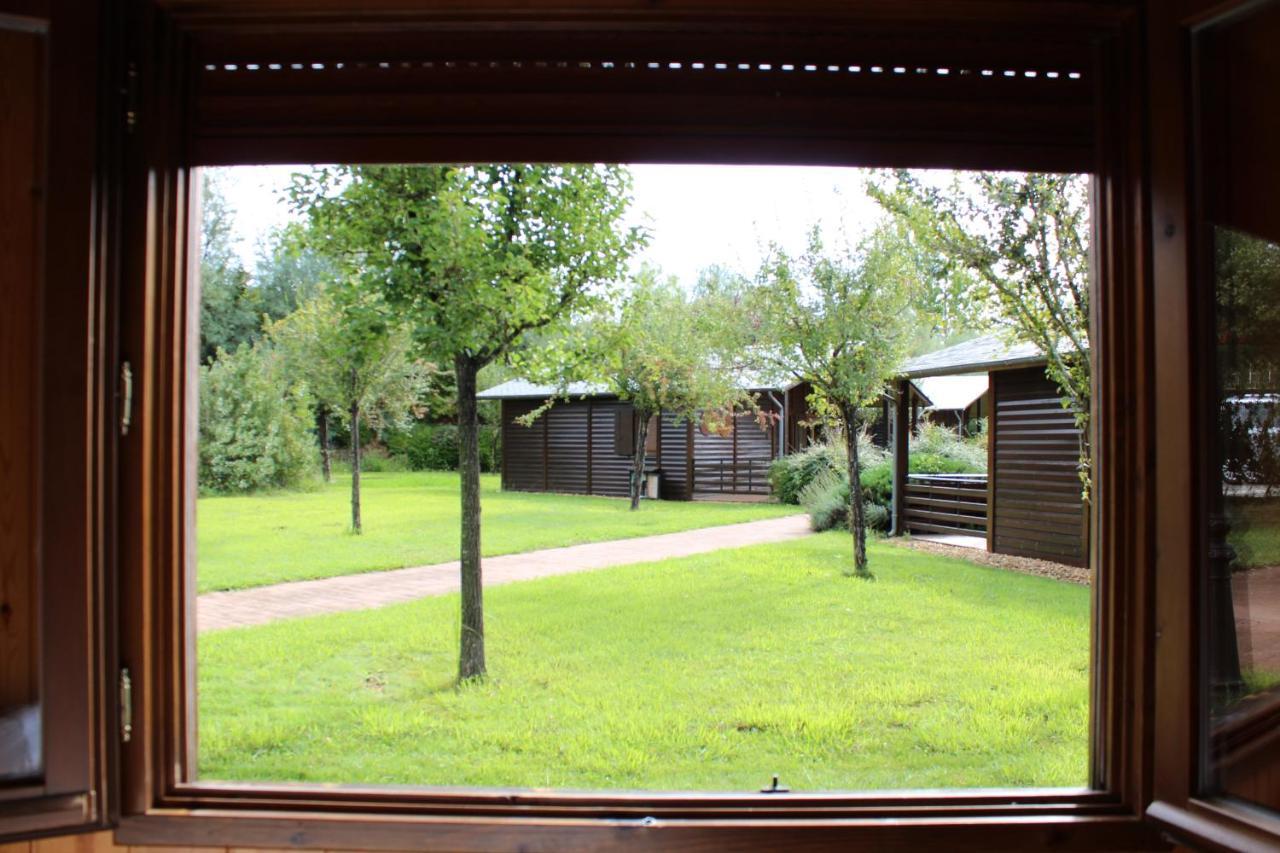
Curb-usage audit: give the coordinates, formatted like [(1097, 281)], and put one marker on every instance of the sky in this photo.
[(697, 215)]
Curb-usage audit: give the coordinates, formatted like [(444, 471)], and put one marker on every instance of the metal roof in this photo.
[(989, 352), (952, 392), (520, 389)]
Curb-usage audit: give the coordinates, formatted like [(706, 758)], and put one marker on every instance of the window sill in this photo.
[(402, 832)]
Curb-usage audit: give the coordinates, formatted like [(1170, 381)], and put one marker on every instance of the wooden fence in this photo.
[(726, 477), (946, 503)]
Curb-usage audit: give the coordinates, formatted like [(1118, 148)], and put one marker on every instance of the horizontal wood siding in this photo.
[(610, 473), (522, 468), (674, 445), (734, 464), (1036, 508), (567, 447)]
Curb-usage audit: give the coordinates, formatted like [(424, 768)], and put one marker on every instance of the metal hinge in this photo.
[(126, 706), (126, 397), (129, 91)]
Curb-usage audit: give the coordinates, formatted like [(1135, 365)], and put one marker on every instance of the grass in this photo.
[(708, 672), (1255, 532), (411, 519)]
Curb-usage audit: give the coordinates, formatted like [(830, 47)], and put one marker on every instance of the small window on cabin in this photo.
[(336, 351), (624, 431)]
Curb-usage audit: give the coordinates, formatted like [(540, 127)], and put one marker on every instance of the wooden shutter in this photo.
[(624, 431)]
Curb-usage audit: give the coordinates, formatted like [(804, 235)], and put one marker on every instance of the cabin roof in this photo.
[(988, 352), (521, 389)]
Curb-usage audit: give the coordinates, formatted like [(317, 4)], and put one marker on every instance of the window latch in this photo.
[(126, 706), (126, 397), (775, 788)]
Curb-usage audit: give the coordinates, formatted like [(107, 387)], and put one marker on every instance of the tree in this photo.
[(353, 356), (667, 353), (288, 272), (253, 423), (839, 322), (229, 308), (480, 257), (1025, 238)]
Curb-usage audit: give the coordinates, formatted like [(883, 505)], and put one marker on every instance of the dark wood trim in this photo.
[(688, 459), (901, 455), (591, 441)]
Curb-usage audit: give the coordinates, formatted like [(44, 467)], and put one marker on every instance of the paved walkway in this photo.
[(263, 604), (1257, 599)]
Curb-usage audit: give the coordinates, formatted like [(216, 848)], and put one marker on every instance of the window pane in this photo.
[(1237, 70)]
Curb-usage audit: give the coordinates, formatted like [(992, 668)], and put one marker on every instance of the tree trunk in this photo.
[(471, 655), (641, 435), (326, 466), (355, 468), (857, 521)]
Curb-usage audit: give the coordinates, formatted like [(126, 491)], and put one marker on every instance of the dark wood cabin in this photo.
[(1030, 502), (582, 445)]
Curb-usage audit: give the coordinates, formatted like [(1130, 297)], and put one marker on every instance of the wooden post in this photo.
[(901, 451), (688, 458), (991, 461), (591, 408)]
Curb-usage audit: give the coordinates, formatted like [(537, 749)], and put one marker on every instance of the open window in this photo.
[(1089, 88)]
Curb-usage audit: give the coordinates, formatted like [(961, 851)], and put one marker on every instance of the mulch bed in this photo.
[(1026, 565)]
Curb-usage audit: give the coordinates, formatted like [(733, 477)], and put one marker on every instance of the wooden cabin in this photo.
[(1030, 501), (582, 444)]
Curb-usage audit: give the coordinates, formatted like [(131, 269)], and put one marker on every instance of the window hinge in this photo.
[(126, 397), (129, 91), (126, 706)]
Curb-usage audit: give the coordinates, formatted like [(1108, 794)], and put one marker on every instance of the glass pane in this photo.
[(1243, 619), (1237, 70)]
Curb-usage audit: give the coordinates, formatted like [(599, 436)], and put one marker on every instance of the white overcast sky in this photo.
[(697, 215)]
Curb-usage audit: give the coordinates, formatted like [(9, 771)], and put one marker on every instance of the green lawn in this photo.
[(1255, 532), (706, 672), (412, 519)]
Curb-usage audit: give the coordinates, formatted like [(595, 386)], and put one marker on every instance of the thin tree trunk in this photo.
[(641, 434), (471, 655), (857, 521), (355, 468), (326, 465)]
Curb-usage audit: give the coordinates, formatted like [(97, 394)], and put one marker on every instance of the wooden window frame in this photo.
[(1140, 752)]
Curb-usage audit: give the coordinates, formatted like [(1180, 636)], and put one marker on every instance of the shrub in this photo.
[(790, 475), (942, 451), (434, 447), (255, 425), (826, 500), (375, 460)]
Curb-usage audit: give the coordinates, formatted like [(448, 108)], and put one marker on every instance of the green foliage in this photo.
[(839, 321), (350, 350), (477, 255), (1025, 239), (255, 426), (230, 310), (792, 474), (288, 272), (947, 451), (434, 447), (685, 674)]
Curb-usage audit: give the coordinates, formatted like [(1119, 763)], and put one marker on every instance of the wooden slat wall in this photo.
[(103, 842), (675, 462), (1036, 509), (566, 446), (521, 448)]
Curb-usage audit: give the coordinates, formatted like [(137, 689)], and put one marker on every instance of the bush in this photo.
[(255, 426), (378, 461), (827, 501), (434, 447), (790, 475)]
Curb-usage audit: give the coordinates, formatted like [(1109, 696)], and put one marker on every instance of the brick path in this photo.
[(1257, 599), (263, 604)]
